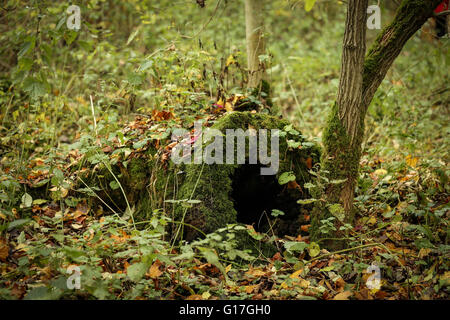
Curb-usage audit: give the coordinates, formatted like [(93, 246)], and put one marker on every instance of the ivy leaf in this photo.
[(308, 185), (290, 129), (306, 201), (295, 246), (293, 144), (276, 213), (313, 249), (338, 211), (27, 200)]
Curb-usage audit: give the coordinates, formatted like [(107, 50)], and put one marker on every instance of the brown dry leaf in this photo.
[(340, 283), (122, 238), (4, 250), (154, 270), (171, 145), (294, 185), (343, 295), (18, 291), (251, 289), (381, 294), (328, 285), (194, 297), (255, 272), (277, 257), (309, 163), (107, 149)]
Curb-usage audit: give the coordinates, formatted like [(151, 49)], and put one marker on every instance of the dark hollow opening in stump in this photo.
[(255, 196)]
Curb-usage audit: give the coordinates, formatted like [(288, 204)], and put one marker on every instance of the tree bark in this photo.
[(410, 17), (342, 138), (254, 27), (360, 78)]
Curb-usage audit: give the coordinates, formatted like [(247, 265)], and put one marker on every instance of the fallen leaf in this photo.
[(255, 272), (309, 163), (411, 161), (380, 172), (154, 272), (250, 289), (4, 251), (206, 295), (296, 274), (343, 295)]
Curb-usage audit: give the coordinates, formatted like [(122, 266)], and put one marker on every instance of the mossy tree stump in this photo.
[(226, 193)]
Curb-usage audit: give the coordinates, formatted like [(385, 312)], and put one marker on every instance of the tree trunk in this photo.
[(343, 136), (254, 27), (360, 78)]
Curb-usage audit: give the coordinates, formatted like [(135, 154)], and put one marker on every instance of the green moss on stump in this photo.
[(213, 184)]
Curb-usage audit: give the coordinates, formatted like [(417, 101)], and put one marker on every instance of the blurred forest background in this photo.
[(150, 66)]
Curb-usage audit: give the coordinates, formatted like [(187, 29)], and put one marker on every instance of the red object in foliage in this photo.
[(442, 7)]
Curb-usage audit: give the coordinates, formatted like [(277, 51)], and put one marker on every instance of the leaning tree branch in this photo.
[(410, 17)]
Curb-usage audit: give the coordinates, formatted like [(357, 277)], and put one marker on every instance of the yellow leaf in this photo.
[(372, 220), (380, 172), (228, 107), (296, 274), (250, 289), (412, 161), (206, 295), (309, 4), (231, 60), (255, 272), (228, 268)]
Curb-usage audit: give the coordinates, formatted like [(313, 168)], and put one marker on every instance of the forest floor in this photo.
[(52, 218), (402, 227)]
